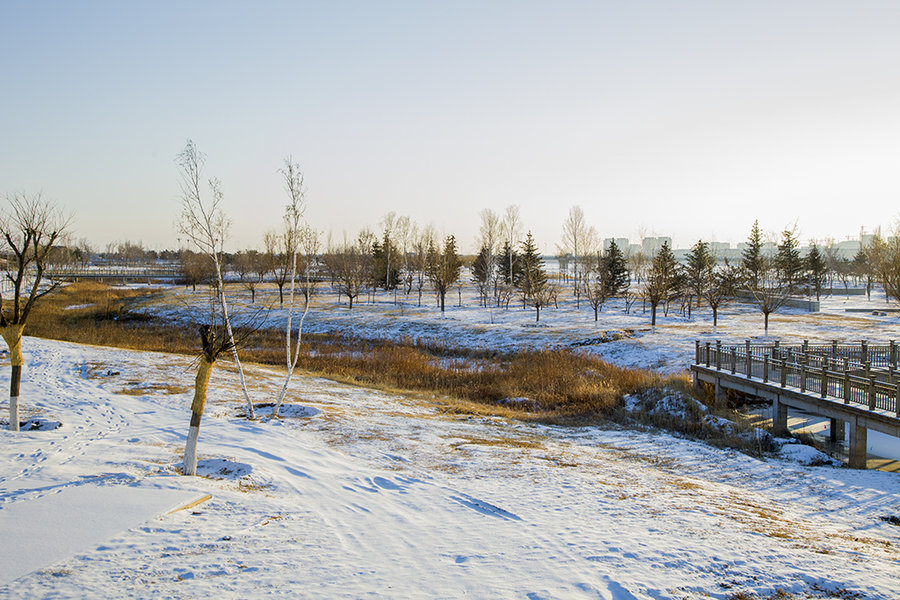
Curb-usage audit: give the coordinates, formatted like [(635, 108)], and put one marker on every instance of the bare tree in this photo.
[(278, 253), (576, 238), (512, 225), (884, 258), (348, 266), (29, 227), (406, 233), (205, 225), (251, 271), (293, 180)]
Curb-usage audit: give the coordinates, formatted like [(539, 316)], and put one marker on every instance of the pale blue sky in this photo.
[(687, 119)]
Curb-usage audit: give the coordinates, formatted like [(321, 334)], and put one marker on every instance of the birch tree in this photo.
[(293, 180), (29, 228), (204, 224)]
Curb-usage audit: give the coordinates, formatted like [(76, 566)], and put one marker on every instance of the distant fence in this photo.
[(116, 273)]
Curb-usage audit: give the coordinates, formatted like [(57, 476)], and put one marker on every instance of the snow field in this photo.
[(367, 494)]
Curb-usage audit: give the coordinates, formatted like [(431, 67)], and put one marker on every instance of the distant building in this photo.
[(651, 245), (622, 243)]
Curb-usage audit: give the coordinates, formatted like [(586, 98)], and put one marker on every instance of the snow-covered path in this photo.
[(367, 494)]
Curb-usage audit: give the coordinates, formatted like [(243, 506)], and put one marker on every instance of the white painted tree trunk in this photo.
[(190, 451), (12, 334), (201, 384)]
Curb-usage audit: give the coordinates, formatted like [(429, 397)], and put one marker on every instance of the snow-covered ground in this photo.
[(360, 493), (624, 338), (619, 336)]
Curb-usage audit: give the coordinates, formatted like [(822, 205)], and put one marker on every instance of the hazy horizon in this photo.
[(687, 120)]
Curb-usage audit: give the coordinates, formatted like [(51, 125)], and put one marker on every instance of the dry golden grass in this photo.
[(562, 386)]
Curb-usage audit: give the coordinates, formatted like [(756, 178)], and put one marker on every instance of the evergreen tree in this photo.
[(532, 281), (788, 263), (482, 269), (508, 265), (752, 259), (699, 269), (816, 269), (663, 280), (861, 267), (614, 271), (386, 267), (443, 267)]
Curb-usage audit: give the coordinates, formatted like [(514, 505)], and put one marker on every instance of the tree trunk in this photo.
[(201, 383), (595, 314), (766, 324), (442, 295), (537, 315), (12, 334), (652, 315)]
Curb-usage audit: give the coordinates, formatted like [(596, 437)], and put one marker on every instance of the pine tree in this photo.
[(532, 281), (386, 269), (663, 280), (816, 268), (443, 267), (482, 269), (752, 259), (699, 269), (615, 275), (788, 263)]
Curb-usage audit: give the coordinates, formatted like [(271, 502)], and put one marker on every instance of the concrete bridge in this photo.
[(853, 385)]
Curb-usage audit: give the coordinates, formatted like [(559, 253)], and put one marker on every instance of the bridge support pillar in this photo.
[(720, 394), (779, 417), (857, 446), (836, 430)]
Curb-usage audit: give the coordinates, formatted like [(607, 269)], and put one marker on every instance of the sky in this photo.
[(681, 119)]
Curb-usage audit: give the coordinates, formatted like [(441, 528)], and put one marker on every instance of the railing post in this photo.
[(733, 359), (696, 352), (802, 376), (846, 381), (897, 399), (864, 351), (707, 354), (749, 360), (871, 385), (766, 368), (834, 345), (893, 354), (783, 372), (718, 355), (805, 346), (823, 385)]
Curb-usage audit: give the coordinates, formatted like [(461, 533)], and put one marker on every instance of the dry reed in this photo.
[(558, 384)]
